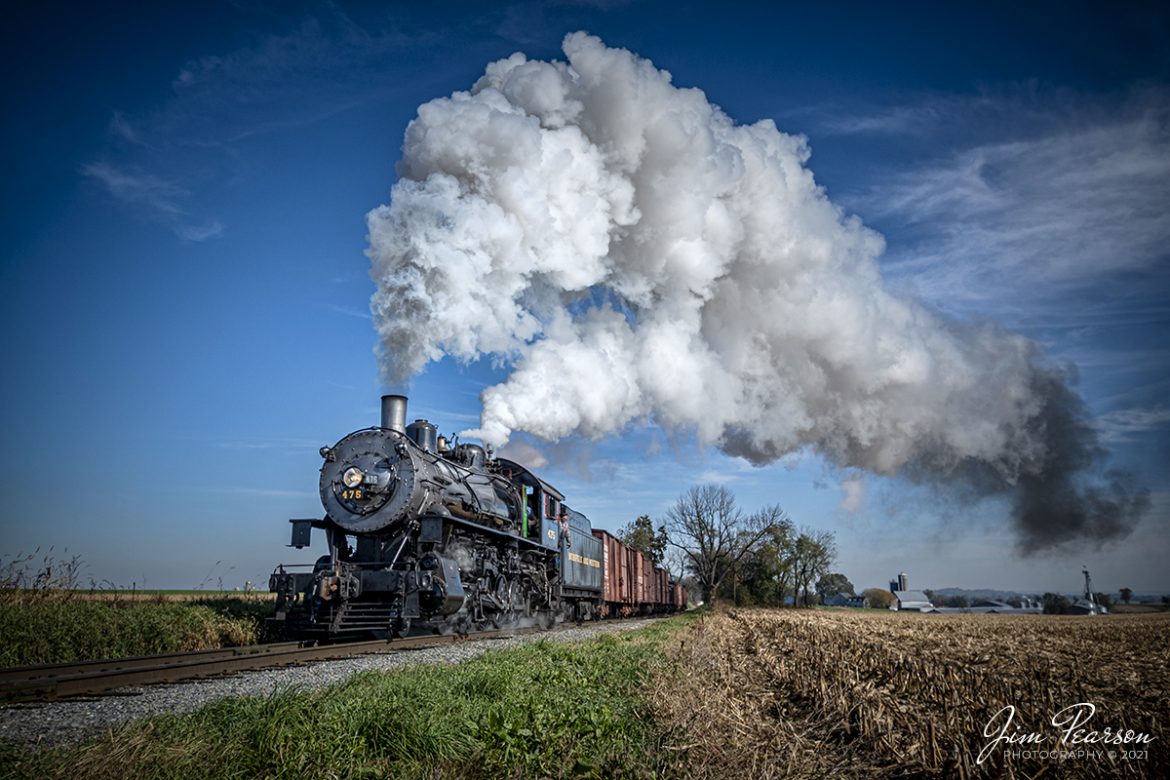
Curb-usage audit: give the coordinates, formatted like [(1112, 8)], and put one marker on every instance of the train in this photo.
[(426, 534)]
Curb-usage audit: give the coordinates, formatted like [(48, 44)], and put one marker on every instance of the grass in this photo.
[(547, 709), (44, 632), (1137, 608), (46, 618)]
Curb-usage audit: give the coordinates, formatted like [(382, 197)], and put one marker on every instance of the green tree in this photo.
[(1055, 604), (766, 572), (834, 584), (1126, 595), (878, 598), (641, 535)]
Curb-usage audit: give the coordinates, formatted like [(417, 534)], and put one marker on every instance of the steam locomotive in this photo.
[(428, 535)]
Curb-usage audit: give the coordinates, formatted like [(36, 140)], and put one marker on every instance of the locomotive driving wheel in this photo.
[(505, 592)]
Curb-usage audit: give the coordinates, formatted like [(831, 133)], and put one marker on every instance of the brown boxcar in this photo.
[(644, 572), (631, 583), (617, 585)]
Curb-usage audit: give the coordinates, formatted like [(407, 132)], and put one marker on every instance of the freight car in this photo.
[(426, 534)]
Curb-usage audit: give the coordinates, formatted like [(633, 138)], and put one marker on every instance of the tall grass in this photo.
[(542, 710), (46, 618), (62, 632)]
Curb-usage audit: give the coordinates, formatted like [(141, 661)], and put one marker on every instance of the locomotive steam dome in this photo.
[(367, 480)]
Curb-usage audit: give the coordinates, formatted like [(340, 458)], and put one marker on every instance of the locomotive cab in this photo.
[(541, 504)]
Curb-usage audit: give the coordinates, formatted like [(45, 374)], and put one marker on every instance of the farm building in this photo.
[(911, 601), (993, 607)]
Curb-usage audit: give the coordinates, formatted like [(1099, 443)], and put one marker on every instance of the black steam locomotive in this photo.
[(427, 534)]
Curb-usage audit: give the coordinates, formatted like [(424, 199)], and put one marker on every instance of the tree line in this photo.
[(720, 551)]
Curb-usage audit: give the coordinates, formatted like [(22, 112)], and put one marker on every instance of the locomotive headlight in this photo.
[(352, 477)]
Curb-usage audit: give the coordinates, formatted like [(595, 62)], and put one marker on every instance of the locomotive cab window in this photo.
[(533, 502)]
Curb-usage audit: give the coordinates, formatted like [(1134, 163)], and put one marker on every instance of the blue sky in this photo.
[(186, 290)]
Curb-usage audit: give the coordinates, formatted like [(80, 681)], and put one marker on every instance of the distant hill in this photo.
[(1004, 595)]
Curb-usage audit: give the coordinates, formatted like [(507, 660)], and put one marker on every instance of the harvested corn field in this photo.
[(862, 694)]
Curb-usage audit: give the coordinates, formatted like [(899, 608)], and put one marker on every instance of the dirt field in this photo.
[(870, 693)]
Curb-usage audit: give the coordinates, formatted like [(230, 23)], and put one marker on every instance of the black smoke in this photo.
[(1071, 495)]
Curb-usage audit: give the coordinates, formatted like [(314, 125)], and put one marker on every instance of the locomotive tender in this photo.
[(444, 537)]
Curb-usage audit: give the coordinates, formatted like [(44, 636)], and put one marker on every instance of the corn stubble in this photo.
[(867, 694)]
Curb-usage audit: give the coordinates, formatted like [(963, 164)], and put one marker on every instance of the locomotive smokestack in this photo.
[(394, 412)]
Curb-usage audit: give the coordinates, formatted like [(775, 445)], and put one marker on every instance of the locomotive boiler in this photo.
[(437, 535)]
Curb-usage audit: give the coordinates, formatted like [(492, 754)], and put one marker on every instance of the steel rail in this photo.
[(57, 681)]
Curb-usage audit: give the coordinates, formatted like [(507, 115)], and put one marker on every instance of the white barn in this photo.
[(911, 601)]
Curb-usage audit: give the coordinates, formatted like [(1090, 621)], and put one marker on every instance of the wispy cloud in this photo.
[(121, 128), (153, 198), (715, 476), (916, 119), (212, 229), (138, 188), (350, 312), (1125, 425), (1059, 212), (307, 65), (1050, 208)]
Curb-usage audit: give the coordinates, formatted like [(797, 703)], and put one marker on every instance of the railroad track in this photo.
[(57, 681)]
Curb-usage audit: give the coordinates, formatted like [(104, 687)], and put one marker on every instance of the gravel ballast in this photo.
[(58, 723)]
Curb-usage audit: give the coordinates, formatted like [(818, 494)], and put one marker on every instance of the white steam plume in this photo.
[(634, 255)]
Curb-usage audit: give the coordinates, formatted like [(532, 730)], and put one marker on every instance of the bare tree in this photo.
[(813, 554), (675, 562), (714, 534)]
